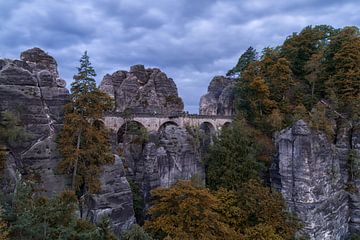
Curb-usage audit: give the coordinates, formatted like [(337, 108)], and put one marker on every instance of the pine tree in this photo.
[(30, 216), (84, 141), (234, 157), (245, 59)]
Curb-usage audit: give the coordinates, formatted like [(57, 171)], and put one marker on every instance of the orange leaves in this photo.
[(186, 212), (84, 141)]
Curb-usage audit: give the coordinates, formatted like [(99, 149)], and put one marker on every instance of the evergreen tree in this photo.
[(84, 79), (245, 59), (234, 157), (34, 217), (84, 141), (299, 47)]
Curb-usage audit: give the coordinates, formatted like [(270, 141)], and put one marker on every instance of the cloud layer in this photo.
[(189, 40)]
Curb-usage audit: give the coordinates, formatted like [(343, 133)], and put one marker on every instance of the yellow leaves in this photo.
[(275, 119), (260, 87), (186, 212), (261, 232)]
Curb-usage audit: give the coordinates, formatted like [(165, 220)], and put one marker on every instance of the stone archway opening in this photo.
[(165, 124), (207, 133), (99, 124), (207, 128), (226, 125), (131, 131)]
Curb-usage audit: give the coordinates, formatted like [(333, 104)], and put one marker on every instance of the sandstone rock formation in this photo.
[(114, 200), (312, 174), (161, 159), (32, 89), (143, 91), (220, 97)]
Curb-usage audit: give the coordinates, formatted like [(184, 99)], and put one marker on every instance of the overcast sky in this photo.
[(190, 40)]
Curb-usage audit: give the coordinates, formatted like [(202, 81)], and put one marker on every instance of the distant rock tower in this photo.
[(220, 97), (143, 91)]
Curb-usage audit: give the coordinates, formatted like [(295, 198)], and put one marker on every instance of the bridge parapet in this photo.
[(153, 122)]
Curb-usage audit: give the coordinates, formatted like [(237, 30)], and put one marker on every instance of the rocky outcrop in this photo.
[(354, 200), (161, 159), (31, 88), (143, 91), (219, 99), (312, 174), (114, 200)]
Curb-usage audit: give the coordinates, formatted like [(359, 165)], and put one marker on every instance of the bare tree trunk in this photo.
[(313, 90), (76, 160)]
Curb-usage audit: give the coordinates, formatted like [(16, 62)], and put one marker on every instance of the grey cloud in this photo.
[(190, 40)]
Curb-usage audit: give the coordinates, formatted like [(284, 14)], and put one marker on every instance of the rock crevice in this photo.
[(312, 173)]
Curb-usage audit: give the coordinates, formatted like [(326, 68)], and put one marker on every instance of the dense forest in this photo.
[(314, 75)]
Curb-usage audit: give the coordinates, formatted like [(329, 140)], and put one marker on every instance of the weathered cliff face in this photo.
[(161, 159), (32, 89), (354, 160), (312, 174), (220, 97), (143, 91), (114, 200)]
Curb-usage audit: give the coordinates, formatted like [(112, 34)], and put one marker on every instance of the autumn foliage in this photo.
[(84, 142), (184, 212)]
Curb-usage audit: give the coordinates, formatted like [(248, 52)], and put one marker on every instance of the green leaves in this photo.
[(34, 217), (319, 63), (233, 159), (84, 79), (245, 59)]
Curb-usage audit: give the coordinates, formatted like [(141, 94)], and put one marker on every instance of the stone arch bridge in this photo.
[(154, 122)]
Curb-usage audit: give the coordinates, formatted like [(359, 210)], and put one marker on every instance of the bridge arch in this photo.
[(130, 128), (98, 123), (167, 123), (226, 125), (207, 128)]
